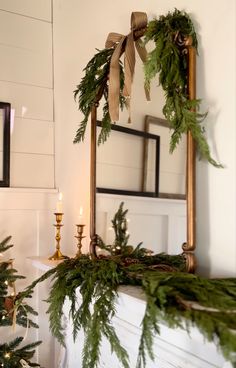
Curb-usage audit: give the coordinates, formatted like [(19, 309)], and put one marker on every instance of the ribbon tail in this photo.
[(129, 65), (141, 49), (114, 82)]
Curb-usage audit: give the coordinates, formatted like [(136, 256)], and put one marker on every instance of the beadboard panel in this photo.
[(32, 170), (40, 9), (12, 223), (28, 199), (159, 223), (27, 215), (30, 102), (26, 50), (32, 136)]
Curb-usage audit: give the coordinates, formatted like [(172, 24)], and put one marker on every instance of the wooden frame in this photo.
[(146, 137), (189, 246), (6, 108)]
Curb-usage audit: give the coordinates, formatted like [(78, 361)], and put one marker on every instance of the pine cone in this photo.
[(9, 305)]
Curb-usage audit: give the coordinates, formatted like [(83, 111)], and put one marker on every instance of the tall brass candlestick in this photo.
[(79, 237), (58, 255)]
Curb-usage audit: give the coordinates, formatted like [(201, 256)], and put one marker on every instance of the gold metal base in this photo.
[(57, 256), (79, 237)]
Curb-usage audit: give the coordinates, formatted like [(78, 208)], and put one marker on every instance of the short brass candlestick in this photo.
[(79, 237), (58, 255)]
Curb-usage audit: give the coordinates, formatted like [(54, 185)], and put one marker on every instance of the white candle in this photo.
[(81, 217), (59, 204)]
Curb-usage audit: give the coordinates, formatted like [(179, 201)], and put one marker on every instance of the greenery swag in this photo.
[(169, 60), (176, 298)]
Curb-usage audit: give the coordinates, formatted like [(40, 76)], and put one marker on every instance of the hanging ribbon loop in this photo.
[(125, 44)]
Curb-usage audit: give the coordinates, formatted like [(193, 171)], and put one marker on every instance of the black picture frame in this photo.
[(146, 136), (6, 108)]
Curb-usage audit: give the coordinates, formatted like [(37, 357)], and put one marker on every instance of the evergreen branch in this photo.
[(168, 60), (4, 246)]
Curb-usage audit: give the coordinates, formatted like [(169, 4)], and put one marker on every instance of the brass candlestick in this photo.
[(79, 237), (58, 255)]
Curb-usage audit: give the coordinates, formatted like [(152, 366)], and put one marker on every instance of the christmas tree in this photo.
[(14, 310)]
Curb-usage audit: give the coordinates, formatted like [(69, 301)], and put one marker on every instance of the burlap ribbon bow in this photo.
[(126, 45)]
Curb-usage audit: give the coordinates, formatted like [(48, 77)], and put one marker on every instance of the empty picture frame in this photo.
[(172, 174), (120, 161), (5, 113)]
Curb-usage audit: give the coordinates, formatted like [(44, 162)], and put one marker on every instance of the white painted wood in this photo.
[(42, 263), (26, 50), (159, 223), (28, 101), (173, 348), (119, 162), (32, 136), (28, 215), (40, 9), (119, 177), (172, 166), (28, 199), (32, 170)]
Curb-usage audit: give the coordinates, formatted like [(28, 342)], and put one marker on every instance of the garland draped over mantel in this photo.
[(105, 76), (178, 299)]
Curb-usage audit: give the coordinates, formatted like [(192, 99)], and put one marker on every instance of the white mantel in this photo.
[(173, 348)]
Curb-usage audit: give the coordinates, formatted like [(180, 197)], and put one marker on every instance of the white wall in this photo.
[(26, 81), (79, 28)]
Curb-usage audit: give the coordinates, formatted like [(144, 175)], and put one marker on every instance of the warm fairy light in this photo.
[(6, 282), (7, 355)]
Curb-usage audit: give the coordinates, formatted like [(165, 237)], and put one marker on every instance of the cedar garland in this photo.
[(169, 60), (178, 299)]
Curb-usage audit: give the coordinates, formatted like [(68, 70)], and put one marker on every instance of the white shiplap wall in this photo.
[(26, 210), (26, 81)]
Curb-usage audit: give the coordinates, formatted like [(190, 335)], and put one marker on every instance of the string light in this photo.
[(7, 355)]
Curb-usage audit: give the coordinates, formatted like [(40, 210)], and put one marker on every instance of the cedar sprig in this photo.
[(94, 86), (169, 61)]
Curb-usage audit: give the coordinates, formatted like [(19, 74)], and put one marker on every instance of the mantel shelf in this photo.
[(173, 347)]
